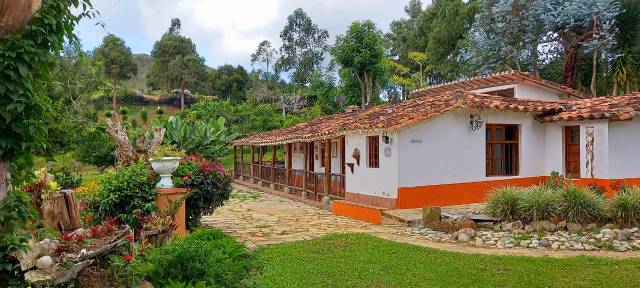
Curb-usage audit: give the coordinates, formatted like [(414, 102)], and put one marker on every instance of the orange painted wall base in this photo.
[(162, 201), (357, 211), (476, 192), (457, 193)]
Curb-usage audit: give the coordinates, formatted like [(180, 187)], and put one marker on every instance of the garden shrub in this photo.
[(96, 148), (66, 178), (204, 255), (624, 208), (581, 205), (538, 203), (208, 187), (15, 213), (125, 191), (503, 203)]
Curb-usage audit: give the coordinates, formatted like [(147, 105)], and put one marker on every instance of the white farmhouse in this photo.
[(450, 144)]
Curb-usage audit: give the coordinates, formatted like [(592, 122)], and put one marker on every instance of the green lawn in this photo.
[(358, 260)]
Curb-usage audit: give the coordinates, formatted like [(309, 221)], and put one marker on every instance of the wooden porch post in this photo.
[(342, 156), (305, 166), (235, 162), (289, 165), (260, 155), (273, 163), (327, 172), (241, 159), (252, 159)]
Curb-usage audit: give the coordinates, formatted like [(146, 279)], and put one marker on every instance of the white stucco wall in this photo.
[(298, 159), (382, 181), (624, 149), (445, 149), (527, 91), (532, 91)]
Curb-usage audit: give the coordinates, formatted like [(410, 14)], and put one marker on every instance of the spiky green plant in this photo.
[(581, 205), (538, 203), (624, 208), (503, 203)]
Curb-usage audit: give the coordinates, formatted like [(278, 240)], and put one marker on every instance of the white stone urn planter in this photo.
[(164, 166)]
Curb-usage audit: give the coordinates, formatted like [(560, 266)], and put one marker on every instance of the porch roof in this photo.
[(391, 117), (497, 79), (616, 108)]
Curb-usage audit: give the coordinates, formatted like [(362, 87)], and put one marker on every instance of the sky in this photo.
[(226, 31)]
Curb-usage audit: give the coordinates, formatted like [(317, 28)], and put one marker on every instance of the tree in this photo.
[(117, 61), (25, 55), (184, 71), (303, 47), (175, 63), (505, 36), (420, 59), (229, 82), (175, 27), (265, 54), (440, 31), (570, 24), (360, 51), (626, 64), (323, 91)]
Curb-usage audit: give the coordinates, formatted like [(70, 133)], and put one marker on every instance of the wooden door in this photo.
[(572, 151)]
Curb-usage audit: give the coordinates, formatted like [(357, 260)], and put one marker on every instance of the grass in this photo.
[(359, 260)]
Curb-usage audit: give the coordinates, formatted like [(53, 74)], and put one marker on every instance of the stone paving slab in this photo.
[(258, 219)]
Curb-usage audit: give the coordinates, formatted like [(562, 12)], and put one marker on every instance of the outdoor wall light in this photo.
[(385, 138), (475, 122)]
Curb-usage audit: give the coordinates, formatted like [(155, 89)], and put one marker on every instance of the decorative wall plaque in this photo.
[(387, 151), (356, 155), (350, 165)]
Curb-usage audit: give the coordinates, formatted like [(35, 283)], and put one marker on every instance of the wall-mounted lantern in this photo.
[(385, 138), (475, 122)]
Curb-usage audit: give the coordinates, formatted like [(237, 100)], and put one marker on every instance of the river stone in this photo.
[(545, 226), (591, 227), (463, 237), (610, 226), (431, 216), (561, 225), (544, 243), (44, 262), (574, 227)]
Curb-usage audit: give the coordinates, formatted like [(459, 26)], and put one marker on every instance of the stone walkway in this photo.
[(258, 219)]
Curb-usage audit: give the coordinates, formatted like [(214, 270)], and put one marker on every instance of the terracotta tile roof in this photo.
[(390, 117), (497, 79), (618, 108)]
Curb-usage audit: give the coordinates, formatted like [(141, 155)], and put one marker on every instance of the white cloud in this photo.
[(228, 31)]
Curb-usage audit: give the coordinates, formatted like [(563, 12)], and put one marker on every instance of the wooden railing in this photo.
[(314, 180)]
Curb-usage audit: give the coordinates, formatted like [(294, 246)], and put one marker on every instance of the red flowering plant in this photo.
[(208, 186)]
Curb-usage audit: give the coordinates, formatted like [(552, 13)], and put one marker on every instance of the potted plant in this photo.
[(164, 161)]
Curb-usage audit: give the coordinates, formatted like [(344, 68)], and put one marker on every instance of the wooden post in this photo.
[(273, 163), (252, 158), (342, 156), (235, 161), (304, 168), (327, 170), (260, 153), (289, 164)]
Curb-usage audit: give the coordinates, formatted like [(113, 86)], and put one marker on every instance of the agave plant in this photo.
[(204, 139)]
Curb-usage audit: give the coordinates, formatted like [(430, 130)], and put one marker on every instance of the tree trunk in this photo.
[(570, 59), (113, 94), (615, 88), (594, 72), (5, 179), (181, 95)]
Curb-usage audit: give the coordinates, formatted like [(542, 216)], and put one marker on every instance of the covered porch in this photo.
[(314, 171)]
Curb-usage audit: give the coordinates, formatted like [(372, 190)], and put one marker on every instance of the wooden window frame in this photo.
[(373, 151), (489, 148)]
